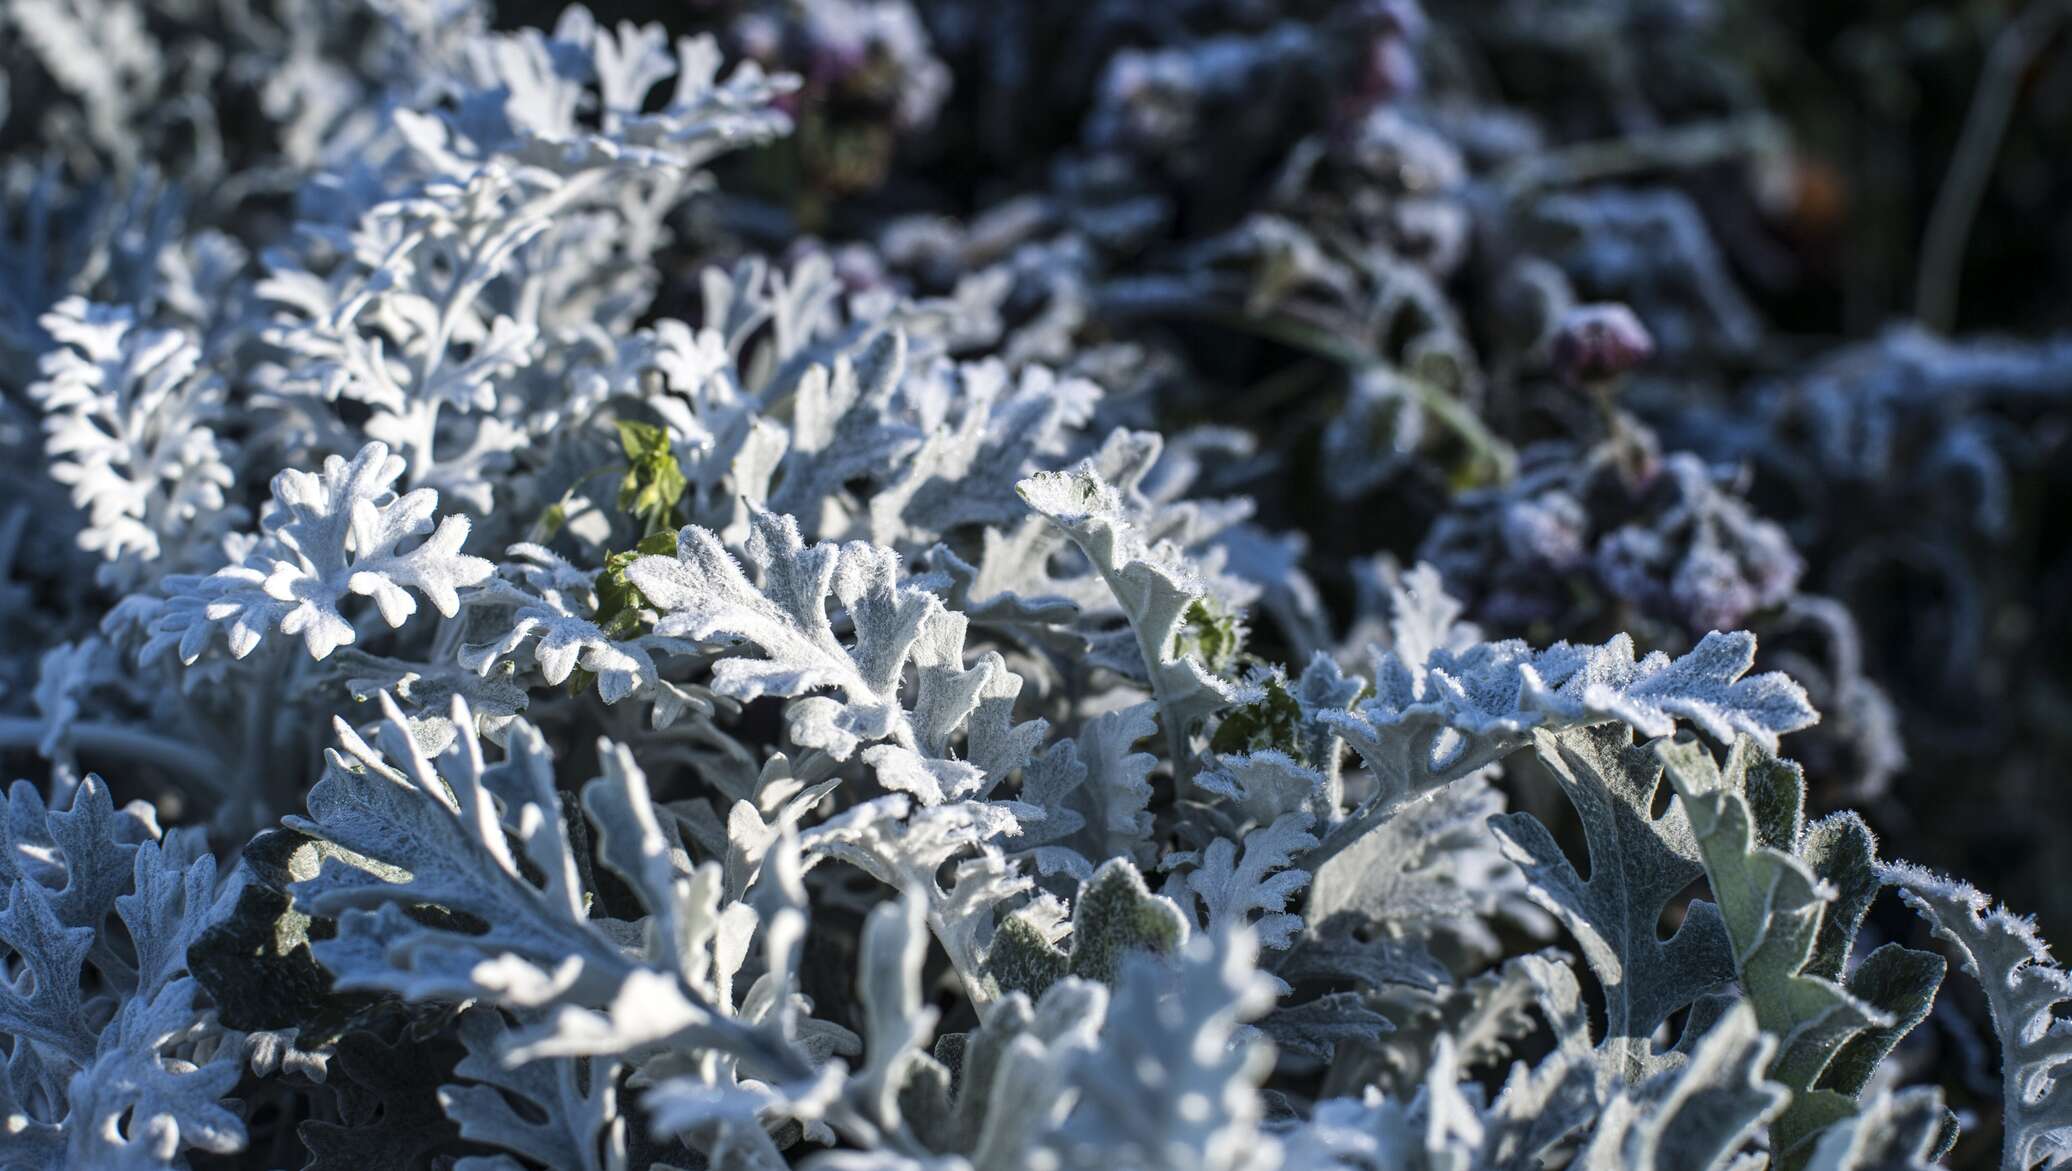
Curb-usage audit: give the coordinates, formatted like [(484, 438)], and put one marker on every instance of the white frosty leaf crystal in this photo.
[(325, 538)]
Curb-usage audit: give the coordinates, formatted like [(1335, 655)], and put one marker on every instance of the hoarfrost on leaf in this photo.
[(2023, 989), (324, 538)]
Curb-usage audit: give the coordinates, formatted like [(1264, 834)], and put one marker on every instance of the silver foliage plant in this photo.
[(814, 732)]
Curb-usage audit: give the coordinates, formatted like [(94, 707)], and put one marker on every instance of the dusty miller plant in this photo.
[(792, 715)]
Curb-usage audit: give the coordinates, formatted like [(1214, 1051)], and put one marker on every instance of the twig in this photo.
[(1679, 148), (1978, 146)]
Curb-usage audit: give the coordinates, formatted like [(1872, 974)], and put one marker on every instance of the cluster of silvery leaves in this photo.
[(817, 731)]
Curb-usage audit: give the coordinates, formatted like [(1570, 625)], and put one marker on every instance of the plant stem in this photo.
[(1679, 148), (1978, 146), (130, 744)]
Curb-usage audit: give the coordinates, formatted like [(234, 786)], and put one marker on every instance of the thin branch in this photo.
[(1679, 148), (196, 765), (1978, 147)]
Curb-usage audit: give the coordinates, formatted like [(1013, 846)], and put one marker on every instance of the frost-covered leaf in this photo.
[(905, 847), (1431, 877), (725, 1049), (1230, 892), (427, 691), (1907, 1130), (1453, 711), (1439, 1128), (898, 843), (703, 594), (546, 79), (964, 471), (326, 537), (1696, 1116), (131, 420), (896, 1023), (413, 833), (843, 428), (1094, 792), (1638, 863), (1153, 586), (460, 881), (1317, 1028), (1174, 1083), (567, 620), (1791, 897), (1268, 784), (2023, 990), (570, 1112), (1115, 916), (1012, 1072), (1484, 1018), (1546, 1104), (122, 1062)]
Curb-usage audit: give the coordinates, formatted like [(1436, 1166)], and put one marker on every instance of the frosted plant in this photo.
[(1229, 890), (1792, 896), (558, 616), (1698, 1117), (324, 539), (2023, 989), (1650, 246), (130, 417), (113, 1057), (943, 693), (1153, 587), (702, 594), (1938, 430), (1171, 1080), (1442, 711), (487, 250), (1622, 522), (1432, 876)]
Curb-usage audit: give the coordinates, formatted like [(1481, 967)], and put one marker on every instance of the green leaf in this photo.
[(1273, 721), (1791, 899), (1212, 634), (654, 482), (619, 601), (551, 521)]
